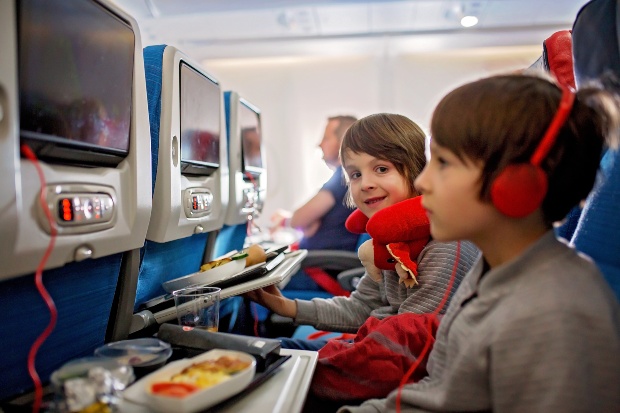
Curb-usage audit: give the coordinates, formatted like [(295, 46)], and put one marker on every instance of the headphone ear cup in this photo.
[(519, 190)]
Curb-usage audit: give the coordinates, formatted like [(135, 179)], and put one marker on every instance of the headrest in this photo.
[(153, 57), (596, 53), (595, 40), (558, 56)]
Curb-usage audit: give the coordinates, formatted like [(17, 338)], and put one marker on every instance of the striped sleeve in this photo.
[(435, 268)]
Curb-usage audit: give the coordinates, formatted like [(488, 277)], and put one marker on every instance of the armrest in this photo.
[(350, 278), (331, 260)]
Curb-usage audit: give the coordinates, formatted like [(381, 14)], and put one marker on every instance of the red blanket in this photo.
[(375, 362)]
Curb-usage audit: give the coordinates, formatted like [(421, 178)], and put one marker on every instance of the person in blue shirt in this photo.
[(322, 218)]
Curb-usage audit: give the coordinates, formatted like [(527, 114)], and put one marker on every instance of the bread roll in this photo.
[(256, 255)]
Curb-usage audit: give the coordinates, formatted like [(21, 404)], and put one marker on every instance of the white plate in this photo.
[(211, 276), (140, 391), (139, 352)]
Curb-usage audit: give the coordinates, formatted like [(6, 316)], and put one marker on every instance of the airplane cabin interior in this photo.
[(129, 162)]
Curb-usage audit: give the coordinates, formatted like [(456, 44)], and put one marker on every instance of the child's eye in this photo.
[(354, 175), (441, 161), (381, 169)]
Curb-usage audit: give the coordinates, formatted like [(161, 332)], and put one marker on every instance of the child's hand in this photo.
[(280, 219), (405, 277), (367, 256), (406, 267), (272, 298)]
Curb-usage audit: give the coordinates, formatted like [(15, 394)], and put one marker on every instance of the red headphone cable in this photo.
[(559, 119), (27, 152), (430, 320)]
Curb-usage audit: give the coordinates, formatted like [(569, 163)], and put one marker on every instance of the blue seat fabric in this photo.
[(161, 262), (83, 293), (596, 54)]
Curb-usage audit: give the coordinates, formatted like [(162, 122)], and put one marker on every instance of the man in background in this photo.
[(322, 218)]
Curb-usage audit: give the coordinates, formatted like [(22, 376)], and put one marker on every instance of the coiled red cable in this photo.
[(38, 278), (430, 320)]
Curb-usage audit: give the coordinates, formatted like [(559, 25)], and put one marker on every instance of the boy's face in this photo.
[(374, 184), (450, 189)]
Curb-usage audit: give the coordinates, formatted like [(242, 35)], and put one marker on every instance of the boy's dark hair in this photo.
[(389, 137), (500, 121)]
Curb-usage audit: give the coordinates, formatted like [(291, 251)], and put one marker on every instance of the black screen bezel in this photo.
[(62, 150), (251, 170), (191, 166)]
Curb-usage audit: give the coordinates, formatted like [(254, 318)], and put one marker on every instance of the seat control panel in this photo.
[(82, 209), (198, 202), (78, 209), (253, 200)]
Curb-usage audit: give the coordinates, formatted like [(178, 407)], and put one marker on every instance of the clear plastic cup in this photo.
[(198, 307)]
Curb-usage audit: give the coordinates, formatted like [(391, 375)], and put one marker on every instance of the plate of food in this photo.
[(195, 384), (219, 270), (211, 272)]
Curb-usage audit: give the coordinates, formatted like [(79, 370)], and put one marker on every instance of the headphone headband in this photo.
[(564, 109)]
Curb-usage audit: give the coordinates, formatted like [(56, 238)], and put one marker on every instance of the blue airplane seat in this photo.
[(166, 261), (84, 290), (597, 231), (77, 286), (161, 262), (230, 237), (568, 226), (596, 53), (557, 59), (247, 191)]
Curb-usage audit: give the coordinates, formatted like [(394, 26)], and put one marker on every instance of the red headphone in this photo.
[(521, 188)]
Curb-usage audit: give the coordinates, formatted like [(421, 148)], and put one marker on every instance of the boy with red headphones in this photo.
[(533, 327)]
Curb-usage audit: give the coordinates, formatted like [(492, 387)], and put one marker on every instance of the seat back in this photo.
[(178, 239), (596, 52), (248, 173), (85, 263), (83, 293), (247, 184), (596, 233), (557, 59)]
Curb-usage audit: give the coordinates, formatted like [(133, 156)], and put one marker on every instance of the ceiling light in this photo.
[(469, 21)]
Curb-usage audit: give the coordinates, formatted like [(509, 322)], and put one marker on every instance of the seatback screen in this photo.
[(251, 136), (200, 122), (76, 64)]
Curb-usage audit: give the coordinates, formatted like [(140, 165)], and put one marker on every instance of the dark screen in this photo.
[(251, 136), (200, 120), (76, 62)]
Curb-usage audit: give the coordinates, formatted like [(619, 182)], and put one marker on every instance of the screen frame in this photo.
[(189, 166), (254, 171), (65, 151)]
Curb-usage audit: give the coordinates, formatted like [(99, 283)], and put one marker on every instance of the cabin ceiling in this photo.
[(246, 28)]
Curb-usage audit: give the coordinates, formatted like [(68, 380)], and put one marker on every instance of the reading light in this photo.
[(469, 21)]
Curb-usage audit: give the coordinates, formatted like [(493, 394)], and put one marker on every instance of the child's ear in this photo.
[(356, 223)]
